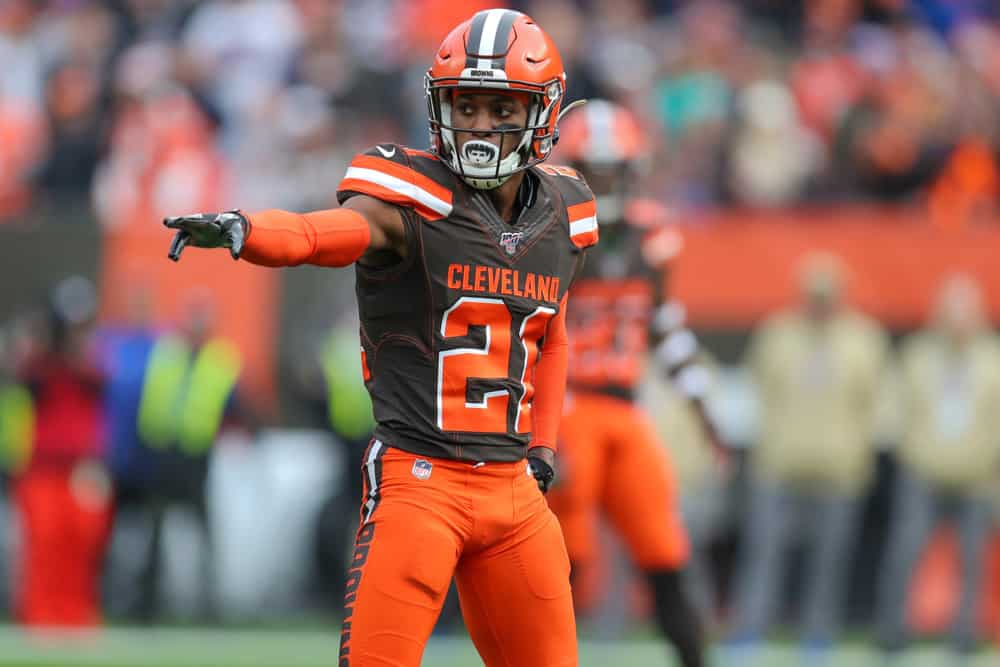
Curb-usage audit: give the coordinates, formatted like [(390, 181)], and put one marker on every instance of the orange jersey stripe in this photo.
[(403, 173), (587, 209), (418, 153), (388, 195)]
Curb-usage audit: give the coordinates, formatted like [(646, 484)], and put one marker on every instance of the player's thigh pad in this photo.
[(640, 492), (515, 596), (403, 561)]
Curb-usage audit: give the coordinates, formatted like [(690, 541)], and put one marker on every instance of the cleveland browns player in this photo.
[(464, 255), (609, 449)]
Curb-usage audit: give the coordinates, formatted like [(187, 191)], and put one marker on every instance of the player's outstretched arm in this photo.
[(332, 237)]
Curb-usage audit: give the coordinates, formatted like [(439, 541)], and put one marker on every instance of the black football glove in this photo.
[(542, 472), (208, 230)]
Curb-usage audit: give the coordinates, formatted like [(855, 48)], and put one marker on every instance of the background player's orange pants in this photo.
[(426, 519), (62, 551), (611, 460)]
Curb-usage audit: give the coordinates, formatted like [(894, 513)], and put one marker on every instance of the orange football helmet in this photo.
[(496, 49), (605, 143)]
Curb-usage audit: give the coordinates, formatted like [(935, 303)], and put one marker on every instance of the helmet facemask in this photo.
[(611, 182), (479, 162)]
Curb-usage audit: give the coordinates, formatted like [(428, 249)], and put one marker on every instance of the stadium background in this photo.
[(870, 129)]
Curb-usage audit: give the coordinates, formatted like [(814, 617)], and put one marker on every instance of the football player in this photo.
[(464, 255), (610, 450)]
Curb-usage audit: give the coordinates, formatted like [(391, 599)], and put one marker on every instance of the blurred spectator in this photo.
[(568, 28), (22, 146), (17, 426), (162, 146), (826, 78), (76, 131), (817, 369), (153, 20), (947, 15), (237, 51), (347, 412), (693, 100), (21, 53), (63, 492), (85, 33), (16, 410), (774, 158), (189, 394), (967, 189), (127, 347), (949, 456), (292, 146), (622, 48), (893, 141)]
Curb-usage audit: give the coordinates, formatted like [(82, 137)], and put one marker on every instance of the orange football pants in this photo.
[(62, 551), (425, 520), (611, 460)]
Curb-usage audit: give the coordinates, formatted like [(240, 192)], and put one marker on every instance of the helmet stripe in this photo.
[(475, 36), (487, 44), (502, 37), (489, 33)]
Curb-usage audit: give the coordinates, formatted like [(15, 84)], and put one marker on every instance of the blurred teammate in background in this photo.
[(464, 257), (704, 478), (613, 458)]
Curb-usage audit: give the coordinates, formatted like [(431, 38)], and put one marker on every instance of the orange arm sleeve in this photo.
[(550, 382), (334, 237)]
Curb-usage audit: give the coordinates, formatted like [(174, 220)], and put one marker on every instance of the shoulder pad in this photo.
[(581, 208), (397, 175)]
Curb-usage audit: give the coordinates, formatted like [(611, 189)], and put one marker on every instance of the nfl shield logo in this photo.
[(422, 469), (509, 241)]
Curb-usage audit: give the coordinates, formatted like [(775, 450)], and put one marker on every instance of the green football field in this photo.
[(280, 648)]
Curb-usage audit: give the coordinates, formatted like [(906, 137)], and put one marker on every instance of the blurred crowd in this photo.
[(143, 106)]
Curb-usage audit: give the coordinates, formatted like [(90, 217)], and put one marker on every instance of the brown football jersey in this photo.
[(611, 310), (451, 335)]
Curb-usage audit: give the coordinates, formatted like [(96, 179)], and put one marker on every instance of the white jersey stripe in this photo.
[(399, 186), (372, 478), (583, 225)]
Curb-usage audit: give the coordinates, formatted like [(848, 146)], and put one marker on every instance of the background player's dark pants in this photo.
[(676, 616), (336, 525), (180, 482)]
